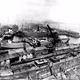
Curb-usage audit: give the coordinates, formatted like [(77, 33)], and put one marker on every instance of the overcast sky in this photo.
[(17, 10), (66, 11)]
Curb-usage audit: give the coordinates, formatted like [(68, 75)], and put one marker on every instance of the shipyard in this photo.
[(39, 40), (38, 53)]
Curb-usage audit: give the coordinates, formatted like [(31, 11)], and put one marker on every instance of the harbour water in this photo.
[(74, 40)]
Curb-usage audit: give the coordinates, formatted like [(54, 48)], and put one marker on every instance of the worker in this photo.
[(24, 57), (2, 63), (20, 58), (8, 63), (29, 55)]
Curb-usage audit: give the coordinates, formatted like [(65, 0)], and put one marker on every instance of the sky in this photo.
[(12, 11), (16, 11), (67, 11)]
